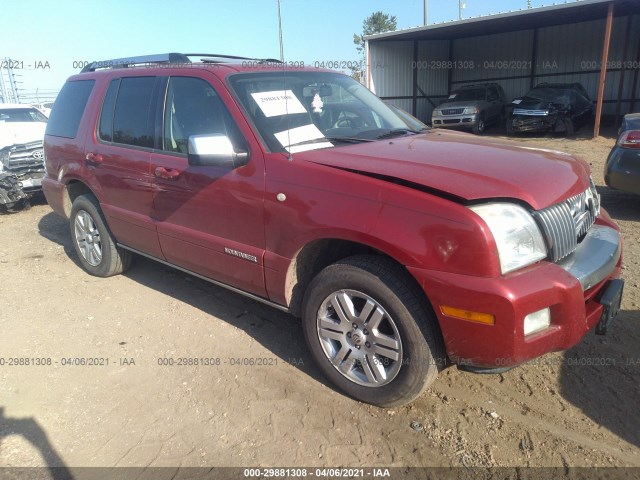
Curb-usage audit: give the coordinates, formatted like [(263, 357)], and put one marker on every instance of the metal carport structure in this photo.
[(593, 42)]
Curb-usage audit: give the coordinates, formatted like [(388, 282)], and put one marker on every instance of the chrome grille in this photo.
[(452, 111), (537, 113), (25, 155), (565, 224)]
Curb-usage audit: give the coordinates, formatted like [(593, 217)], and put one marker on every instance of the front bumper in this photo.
[(524, 123), (443, 121), (570, 289)]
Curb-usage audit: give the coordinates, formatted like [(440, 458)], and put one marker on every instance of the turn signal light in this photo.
[(468, 315)]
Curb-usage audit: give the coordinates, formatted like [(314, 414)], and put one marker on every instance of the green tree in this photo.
[(377, 22)]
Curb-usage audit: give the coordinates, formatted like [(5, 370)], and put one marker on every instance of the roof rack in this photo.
[(217, 58), (140, 60), (169, 58)]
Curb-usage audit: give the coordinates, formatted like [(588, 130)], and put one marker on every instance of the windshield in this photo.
[(468, 94), (558, 95), (298, 111), (21, 115)]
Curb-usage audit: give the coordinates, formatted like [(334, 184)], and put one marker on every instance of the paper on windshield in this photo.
[(306, 133), (278, 102)]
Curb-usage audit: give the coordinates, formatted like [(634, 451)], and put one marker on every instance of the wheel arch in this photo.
[(73, 189), (318, 254)]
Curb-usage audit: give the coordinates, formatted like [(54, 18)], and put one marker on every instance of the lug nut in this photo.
[(355, 325), (358, 347), (367, 344), (348, 334), (366, 332)]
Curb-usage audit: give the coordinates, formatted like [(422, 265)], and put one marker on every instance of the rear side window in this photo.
[(105, 128), (132, 117), (67, 112)]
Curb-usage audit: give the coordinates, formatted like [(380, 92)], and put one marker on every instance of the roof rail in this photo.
[(210, 57), (140, 60), (169, 58)]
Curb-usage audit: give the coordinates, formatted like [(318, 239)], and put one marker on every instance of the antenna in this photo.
[(280, 32)]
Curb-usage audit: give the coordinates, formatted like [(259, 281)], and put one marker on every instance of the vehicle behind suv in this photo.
[(551, 107), (403, 249), (622, 170), (21, 153), (472, 107)]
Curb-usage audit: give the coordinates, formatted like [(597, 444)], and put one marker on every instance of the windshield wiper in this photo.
[(396, 132), (332, 139)]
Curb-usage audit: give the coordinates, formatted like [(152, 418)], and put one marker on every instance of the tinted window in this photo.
[(194, 108), (70, 104), (469, 94), (105, 128), (21, 115), (132, 124)]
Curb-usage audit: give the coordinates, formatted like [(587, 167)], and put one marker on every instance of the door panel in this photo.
[(122, 171), (210, 220)]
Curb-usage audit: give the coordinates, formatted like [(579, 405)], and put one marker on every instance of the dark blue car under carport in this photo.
[(622, 170)]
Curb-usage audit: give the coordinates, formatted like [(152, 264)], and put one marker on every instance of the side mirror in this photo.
[(214, 150)]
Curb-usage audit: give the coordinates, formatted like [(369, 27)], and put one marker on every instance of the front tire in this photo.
[(480, 126), (370, 332), (93, 242), (509, 125), (569, 128)]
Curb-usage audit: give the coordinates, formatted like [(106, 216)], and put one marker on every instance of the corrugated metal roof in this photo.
[(578, 11)]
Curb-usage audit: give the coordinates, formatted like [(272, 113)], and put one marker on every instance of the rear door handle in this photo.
[(167, 173), (94, 158)]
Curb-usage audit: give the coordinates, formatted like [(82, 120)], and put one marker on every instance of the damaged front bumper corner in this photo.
[(21, 173)]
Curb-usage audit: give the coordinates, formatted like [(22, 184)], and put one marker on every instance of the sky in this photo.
[(49, 39)]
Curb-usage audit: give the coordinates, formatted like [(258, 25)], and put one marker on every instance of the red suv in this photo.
[(403, 249)]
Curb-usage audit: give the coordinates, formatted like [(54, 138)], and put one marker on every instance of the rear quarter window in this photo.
[(133, 115), (69, 107)]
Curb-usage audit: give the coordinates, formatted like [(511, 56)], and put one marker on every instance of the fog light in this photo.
[(536, 321)]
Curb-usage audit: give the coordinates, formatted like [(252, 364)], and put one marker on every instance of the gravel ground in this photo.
[(570, 409)]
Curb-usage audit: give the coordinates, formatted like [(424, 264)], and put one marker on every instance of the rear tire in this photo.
[(93, 242), (370, 332)]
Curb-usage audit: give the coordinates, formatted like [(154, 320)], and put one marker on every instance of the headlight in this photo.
[(437, 112), (517, 236), (470, 111)]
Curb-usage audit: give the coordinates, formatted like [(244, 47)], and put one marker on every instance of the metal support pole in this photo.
[(3, 88), (414, 103), (622, 72), (534, 58), (634, 85), (426, 16), (603, 70)]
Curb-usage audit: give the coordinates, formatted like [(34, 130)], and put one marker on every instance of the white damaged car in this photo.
[(21, 154)]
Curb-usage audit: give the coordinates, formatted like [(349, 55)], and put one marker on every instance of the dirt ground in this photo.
[(570, 409)]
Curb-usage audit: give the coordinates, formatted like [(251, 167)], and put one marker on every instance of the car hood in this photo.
[(16, 133), (533, 104), (464, 166), (461, 103)]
